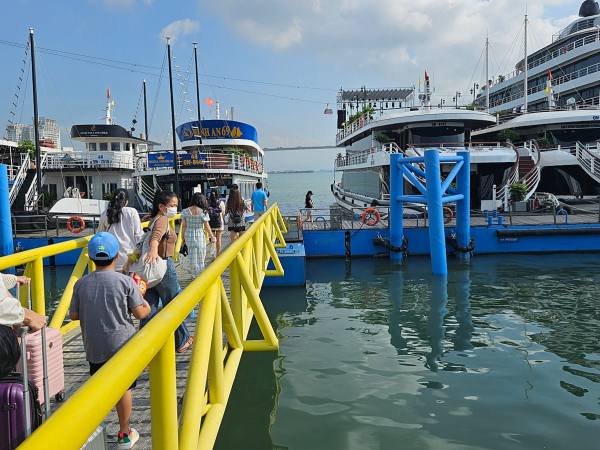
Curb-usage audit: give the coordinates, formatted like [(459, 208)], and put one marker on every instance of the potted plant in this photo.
[(108, 196), (48, 199), (28, 147), (518, 192), (508, 135), (382, 138), (544, 143)]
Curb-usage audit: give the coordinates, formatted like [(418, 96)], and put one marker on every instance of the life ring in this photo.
[(362, 121), (565, 49), (300, 220), (536, 203), (371, 216), (448, 218), (76, 229)]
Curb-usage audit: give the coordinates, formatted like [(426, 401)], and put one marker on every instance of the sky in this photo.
[(277, 63)]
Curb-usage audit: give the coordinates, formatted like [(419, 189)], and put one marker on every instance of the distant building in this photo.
[(48, 128)]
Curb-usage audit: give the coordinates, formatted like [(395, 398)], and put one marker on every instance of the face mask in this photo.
[(171, 212)]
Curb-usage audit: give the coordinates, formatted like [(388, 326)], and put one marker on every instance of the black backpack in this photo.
[(214, 215), (236, 217)]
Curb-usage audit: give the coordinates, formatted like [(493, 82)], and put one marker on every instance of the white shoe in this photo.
[(127, 441)]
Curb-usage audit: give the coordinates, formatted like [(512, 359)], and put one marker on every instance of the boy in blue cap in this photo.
[(103, 302)]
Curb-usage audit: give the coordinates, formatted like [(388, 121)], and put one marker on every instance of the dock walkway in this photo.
[(77, 371)]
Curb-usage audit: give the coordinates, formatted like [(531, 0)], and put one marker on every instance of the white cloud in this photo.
[(179, 28), (396, 38)]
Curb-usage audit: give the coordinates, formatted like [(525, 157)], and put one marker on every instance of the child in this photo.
[(102, 301)]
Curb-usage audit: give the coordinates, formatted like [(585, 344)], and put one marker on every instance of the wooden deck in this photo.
[(77, 372)]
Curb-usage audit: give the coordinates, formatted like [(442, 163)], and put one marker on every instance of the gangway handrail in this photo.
[(19, 178), (532, 178), (511, 178), (591, 163), (247, 259)]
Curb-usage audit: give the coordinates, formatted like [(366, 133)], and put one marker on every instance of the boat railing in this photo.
[(555, 82), (88, 160), (512, 178), (353, 127), (552, 55), (214, 363), (19, 178), (32, 196), (325, 219), (209, 160), (532, 178), (588, 157), (579, 26)]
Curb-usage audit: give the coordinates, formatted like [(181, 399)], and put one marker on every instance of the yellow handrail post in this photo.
[(65, 301), (163, 397), (91, 266), (38, 297), (215, 367), (194, 398), (235, 292)]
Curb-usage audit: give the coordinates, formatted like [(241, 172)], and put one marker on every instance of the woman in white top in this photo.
[(123, 223)]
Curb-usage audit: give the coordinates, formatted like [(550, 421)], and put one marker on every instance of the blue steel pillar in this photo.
[(396, 208), (463, 207), (6, 240), (437, 239)]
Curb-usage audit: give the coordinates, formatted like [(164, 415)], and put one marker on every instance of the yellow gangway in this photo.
[(211, 361)]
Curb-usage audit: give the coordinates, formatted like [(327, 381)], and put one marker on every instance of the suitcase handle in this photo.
[(22, 333)]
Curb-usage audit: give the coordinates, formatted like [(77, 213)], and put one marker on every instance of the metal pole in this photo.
[(176, 189), (437, 240), (526, 64), (38, 159), (145, 112), (6, 232), (463, 207), (198, 95), (396, 207), (487, 75)]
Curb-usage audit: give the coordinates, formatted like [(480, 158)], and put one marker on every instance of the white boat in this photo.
[(369, 141)]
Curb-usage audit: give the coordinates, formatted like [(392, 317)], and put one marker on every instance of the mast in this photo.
[(173, 120), (487, 74), (145, 112), (526, 78), (108, 118), (36, 122), (198, 94)]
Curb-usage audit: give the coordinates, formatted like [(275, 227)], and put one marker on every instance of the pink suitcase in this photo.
[(54, 352)]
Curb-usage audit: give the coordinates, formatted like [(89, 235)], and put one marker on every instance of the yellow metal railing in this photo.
[(247, 259)]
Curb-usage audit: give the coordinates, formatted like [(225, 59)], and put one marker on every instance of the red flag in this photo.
[(208, 101), (549, 75), (426, 76), (107, 91)]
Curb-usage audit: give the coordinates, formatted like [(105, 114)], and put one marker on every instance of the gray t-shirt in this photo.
[(103, 299)]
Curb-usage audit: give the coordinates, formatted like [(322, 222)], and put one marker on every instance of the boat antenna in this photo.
[(145, 111), (526, 64), (198, 95), (108, 118), (36, 124), (487, 74), (175, 162)]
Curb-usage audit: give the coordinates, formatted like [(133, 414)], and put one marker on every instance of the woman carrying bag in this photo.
[(123, 223), (194, 220), (162, 245)]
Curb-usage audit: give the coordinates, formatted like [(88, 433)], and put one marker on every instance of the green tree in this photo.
[(382, 138), (27, 147), (544, 143), (508, 134), (518, 192)]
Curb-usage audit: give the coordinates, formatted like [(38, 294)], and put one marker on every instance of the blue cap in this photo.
[(103, 246)]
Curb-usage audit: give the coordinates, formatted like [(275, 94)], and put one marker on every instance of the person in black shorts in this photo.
[(234, 209), (308, 205)]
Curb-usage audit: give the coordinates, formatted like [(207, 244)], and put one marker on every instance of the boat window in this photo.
[(92, 146), (103, 146), (108, 188), (363, 182), (115, 146), (437, 135), (127, 146), (569, 136)]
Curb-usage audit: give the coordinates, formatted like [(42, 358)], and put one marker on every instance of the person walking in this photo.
[(162, 245), (103, 301), (123, 223), (216, 213), (259, 201), (308, 205), (236, 224), (194, 221)]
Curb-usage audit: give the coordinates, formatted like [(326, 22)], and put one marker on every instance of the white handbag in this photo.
[(153, 272)]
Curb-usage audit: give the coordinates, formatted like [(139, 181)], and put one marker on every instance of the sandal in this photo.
[(187, 345)]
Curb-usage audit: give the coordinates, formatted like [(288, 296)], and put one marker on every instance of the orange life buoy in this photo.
[(448, 218), (75, 229), (300, 220), (362, 121), (565, 49), (370, 216)]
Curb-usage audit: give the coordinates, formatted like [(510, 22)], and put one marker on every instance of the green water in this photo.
[(505, 355)]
